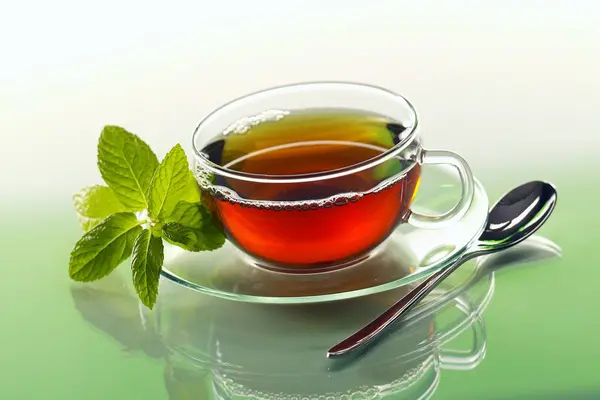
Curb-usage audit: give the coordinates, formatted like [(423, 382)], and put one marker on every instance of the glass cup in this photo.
[(328, 218)]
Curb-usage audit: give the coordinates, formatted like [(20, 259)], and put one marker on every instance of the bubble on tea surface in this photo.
[(204, 178), (243, 125)]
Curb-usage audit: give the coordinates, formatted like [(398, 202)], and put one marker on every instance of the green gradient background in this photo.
[(541, 324)]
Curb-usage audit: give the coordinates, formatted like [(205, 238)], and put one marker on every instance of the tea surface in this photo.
[(308, 141)]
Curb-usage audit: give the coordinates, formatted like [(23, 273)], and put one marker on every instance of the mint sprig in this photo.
[(145, 202)]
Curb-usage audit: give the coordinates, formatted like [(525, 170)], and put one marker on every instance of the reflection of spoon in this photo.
[(515, 217), (536, 248)]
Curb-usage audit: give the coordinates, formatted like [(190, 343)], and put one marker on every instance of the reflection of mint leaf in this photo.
[(169, 183), (146, 263), (388, 169), (127, 165), (95, 203), (104, 247)]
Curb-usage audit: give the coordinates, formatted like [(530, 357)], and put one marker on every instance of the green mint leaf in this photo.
[(169, 184), (211, 236), (146, 264), (103, 248), (188, 214), (193, 228), (180, 235), (192, 192), (127, 165), (95, 203)]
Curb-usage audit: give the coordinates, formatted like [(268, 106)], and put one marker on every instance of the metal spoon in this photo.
[(515, 217)]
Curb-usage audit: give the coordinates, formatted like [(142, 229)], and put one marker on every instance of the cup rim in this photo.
[(310, 177)]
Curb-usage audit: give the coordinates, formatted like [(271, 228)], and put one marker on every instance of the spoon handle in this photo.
[(399, 309)]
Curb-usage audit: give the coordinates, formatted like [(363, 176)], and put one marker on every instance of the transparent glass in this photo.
[(328, 218), (409, 255)]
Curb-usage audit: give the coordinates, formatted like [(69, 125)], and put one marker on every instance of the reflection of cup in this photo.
[(214, 348), (251, 351), (282, 196)]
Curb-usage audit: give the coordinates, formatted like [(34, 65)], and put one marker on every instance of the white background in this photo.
[(506, 82)]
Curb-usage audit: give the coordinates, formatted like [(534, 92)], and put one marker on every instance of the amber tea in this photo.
[(312, 223)]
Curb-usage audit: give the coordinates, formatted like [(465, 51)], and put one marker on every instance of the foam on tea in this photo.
[(322, 221)]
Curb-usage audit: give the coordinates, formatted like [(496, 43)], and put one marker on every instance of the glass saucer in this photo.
[(409, 254)]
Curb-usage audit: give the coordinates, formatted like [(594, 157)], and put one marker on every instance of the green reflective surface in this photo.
[(65, 340)]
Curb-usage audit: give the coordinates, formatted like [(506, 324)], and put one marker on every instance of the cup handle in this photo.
[(436, 157), (452, 359)]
